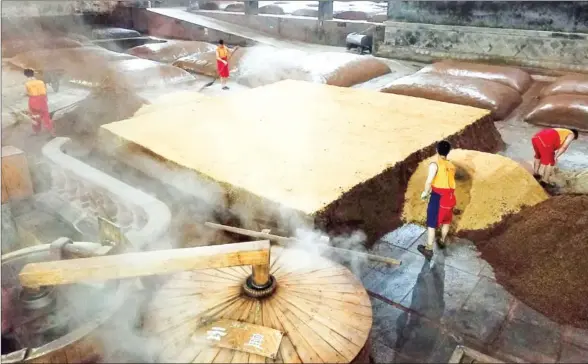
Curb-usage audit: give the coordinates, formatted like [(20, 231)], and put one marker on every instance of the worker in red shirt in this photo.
[(223, 54), (549, 145), (38, 107), (440, 189)]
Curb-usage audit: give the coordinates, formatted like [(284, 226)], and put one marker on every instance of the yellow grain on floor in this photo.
[(164, 102), (488, 187), (295, 143)]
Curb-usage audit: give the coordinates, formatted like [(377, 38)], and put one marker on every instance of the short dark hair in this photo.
[(576, 134), (221, 42), (29, 72), (443, 148)]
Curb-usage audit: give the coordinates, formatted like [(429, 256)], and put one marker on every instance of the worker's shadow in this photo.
[(418, 333)]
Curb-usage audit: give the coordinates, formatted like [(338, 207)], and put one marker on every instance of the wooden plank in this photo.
[(140, 264), (16, 176)]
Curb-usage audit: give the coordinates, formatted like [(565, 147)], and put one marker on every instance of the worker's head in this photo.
[(29, 72), (443, 148), (221, 42), (576, 134)]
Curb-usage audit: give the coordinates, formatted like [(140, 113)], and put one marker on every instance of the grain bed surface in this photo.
[(299, 144)]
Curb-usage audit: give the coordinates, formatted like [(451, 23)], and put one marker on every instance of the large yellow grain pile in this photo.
[(489, 187)]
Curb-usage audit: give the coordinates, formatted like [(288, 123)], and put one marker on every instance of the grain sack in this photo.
[(488, 187), (170, 51), (271, 9), (205, 63), (143, 73), (483, 94), (570, 84), (351, 15), (11, 48), (509, 76), (313, 13), (567, 111), (114, 33), (235, 7), (265, 65), (344, 69)]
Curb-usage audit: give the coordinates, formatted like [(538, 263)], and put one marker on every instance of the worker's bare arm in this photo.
[(564, 147), (432, 172)]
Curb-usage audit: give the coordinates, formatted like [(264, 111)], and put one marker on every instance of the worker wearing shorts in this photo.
[(222, 63), (38, 106), (441, 186), (548, 145)]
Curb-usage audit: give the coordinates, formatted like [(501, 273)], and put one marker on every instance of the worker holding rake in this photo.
[(38, 106), (440, 188), (549, 145), (223, 54)]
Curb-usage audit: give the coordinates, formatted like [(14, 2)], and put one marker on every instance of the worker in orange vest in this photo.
[(223, 54), (440, 188), (549, 145), (38, 107)]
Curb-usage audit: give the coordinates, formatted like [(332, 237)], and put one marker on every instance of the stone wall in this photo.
[(528, 48), (560, 16), (328, 32)]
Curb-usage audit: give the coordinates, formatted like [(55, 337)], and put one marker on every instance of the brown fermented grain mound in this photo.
[(84, 66), (171, 50), (114, 33), (489, 95), (569, 84), (509, 76), (539, 255), (567, 111), (13, 47), (205, 63), (266, 65), (142, 73), (317, 127), (488, 188)]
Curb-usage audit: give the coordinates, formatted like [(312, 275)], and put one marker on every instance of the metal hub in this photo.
[(37, 299), (254, 291)]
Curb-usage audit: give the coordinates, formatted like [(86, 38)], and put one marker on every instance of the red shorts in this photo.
[(440, 208), (223, 69), (545, 143)]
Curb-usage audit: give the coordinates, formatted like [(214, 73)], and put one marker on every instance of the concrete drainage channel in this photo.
[(80, 193)]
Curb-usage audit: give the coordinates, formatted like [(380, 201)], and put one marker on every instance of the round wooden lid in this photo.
[(322, 308)]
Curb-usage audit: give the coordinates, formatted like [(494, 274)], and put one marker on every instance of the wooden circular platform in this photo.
[(321, 307)]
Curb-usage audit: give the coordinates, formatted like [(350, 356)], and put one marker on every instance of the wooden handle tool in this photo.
[(287, 240), (35, 275)]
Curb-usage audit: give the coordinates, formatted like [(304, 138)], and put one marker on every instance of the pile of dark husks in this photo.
[(541, 256)]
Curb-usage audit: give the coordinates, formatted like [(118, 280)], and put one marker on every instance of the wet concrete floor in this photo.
[(423, 310)]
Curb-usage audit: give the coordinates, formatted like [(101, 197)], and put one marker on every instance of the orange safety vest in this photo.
[(445, 177), (36, 88), (563, 134), (222, 52)]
